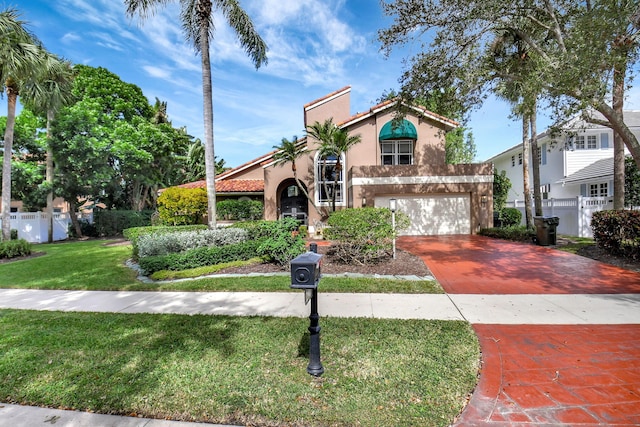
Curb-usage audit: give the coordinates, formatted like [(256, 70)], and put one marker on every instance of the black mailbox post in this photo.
[(305, 274)]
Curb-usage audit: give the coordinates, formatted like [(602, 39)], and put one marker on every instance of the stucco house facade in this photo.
[(401, 160)]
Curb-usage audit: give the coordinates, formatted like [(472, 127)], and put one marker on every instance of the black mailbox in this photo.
[(305, 271)]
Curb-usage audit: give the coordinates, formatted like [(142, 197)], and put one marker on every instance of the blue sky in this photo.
[(315, 48)]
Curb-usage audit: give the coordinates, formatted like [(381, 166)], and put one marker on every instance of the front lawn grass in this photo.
[(239, 370), (97, 266)]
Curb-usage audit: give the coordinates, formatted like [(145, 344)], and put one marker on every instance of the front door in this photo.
[(293, 203)]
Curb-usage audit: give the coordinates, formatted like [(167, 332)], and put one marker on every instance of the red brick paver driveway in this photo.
[(541, 375)]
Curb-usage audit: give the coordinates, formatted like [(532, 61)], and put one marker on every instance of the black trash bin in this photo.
[(546, 229)]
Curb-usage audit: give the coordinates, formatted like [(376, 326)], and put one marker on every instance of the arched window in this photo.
[(397, 143), (329, 180)]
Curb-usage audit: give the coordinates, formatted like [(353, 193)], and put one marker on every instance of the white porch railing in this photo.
[(34, 226), (574, 213)]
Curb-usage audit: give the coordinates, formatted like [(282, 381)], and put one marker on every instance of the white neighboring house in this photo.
[(574, 164)]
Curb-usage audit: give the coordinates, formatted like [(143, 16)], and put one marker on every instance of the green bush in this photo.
[(166, 243), (133, 234), (518, 233), (510, 217), (14, 234), (87, 228), (113, 222), (239, 210), (363, 235), (200, 257), (14, 248), (182, 206), (617, 232), (279, 242)]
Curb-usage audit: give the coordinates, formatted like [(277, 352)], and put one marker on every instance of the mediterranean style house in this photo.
[(576, 162), (402, 160)]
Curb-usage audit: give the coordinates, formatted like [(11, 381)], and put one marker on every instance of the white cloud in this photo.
[(106, 40), (158, 72), (71, 38)]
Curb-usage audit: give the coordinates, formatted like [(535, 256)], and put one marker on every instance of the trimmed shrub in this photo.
[(14, 248), (14, 234), (88, 229), (182, 206), (200, 257), (518, 233), (114, 222), (239, 210), (279, 243), (133, 234), (363, 235), (617, 232), (166, 243), (510, 217)]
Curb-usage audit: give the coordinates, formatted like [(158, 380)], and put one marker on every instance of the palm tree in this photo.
[(51, 92), (334, 142), (515, 67), (197, 23), (289, 152), (324, 134), (21, 57)]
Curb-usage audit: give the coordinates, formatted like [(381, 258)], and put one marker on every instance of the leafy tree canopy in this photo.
[(574, 45)]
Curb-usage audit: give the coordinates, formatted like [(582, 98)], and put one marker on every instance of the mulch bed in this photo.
[(405, 264)]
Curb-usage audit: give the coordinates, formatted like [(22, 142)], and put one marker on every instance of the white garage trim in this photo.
[(434, 214), (435, 179)]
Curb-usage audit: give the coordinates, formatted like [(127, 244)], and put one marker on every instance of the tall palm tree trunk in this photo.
[(525, 171), (12, 98), (49, 177), (535, 154), (207, 99)]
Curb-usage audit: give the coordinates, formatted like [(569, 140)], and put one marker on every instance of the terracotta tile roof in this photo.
[(230, 185), (240, 185)]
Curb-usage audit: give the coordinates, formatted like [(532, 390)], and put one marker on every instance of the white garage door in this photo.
[(436, 214)]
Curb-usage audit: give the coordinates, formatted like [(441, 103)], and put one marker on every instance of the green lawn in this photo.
[(236, 370), (95, 265), (239, 369)]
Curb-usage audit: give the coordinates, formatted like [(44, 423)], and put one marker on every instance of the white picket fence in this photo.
[(574, 213), (34, 226)]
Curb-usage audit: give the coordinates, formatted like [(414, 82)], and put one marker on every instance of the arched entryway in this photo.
[(292, 202)]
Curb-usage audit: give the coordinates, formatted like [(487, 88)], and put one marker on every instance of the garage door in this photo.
[(436, 214)]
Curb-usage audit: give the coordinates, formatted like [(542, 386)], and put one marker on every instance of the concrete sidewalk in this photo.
[(477, 309), (581, 309)]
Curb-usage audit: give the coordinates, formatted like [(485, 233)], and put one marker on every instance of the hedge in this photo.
[(239, 210), (200, 257), (617, 232), (114, 222), (166, 243), (133, 234), (14, 248)]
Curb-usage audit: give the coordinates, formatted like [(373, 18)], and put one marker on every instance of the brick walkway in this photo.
[(541, 375)]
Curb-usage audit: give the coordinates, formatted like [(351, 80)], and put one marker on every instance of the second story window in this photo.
[(579, 142), (519, 158), (396, 152), (592, 142), (513, 161)]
